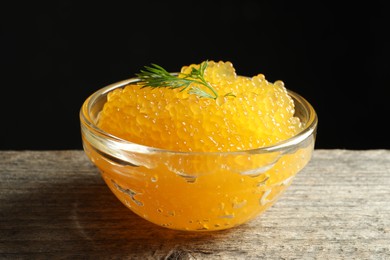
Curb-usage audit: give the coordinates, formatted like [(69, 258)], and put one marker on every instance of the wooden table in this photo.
[(54, 205)]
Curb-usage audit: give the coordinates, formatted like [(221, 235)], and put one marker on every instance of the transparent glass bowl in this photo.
[(195, 191)]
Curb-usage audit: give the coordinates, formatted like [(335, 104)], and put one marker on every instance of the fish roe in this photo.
[(193, 189), (249, 112)]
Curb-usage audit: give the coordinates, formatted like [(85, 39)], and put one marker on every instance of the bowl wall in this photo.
[(195, 191)]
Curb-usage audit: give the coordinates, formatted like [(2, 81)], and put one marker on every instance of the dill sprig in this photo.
[(156, 76)]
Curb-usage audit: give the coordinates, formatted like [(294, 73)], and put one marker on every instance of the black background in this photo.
[(55, 54)]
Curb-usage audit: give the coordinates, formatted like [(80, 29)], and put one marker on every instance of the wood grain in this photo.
[(54, 205)]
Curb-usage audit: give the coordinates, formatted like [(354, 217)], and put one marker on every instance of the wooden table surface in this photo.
[(54, 205)]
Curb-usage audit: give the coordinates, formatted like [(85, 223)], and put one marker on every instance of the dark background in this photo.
[(55, 54)]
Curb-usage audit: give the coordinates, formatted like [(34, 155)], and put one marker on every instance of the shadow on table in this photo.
[(80, 217)]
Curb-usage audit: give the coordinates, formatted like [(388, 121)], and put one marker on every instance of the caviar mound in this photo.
[(177, 188), (248, 113)]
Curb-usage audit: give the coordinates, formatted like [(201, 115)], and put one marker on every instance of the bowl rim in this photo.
[(285, 145)]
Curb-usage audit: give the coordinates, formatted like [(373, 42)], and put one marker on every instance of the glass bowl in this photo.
[(195, 191)]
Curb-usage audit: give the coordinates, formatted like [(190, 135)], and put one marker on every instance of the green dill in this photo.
[(156, 76)]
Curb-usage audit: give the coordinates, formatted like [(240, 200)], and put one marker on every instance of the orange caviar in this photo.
[(190, 188), (259, 114)]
